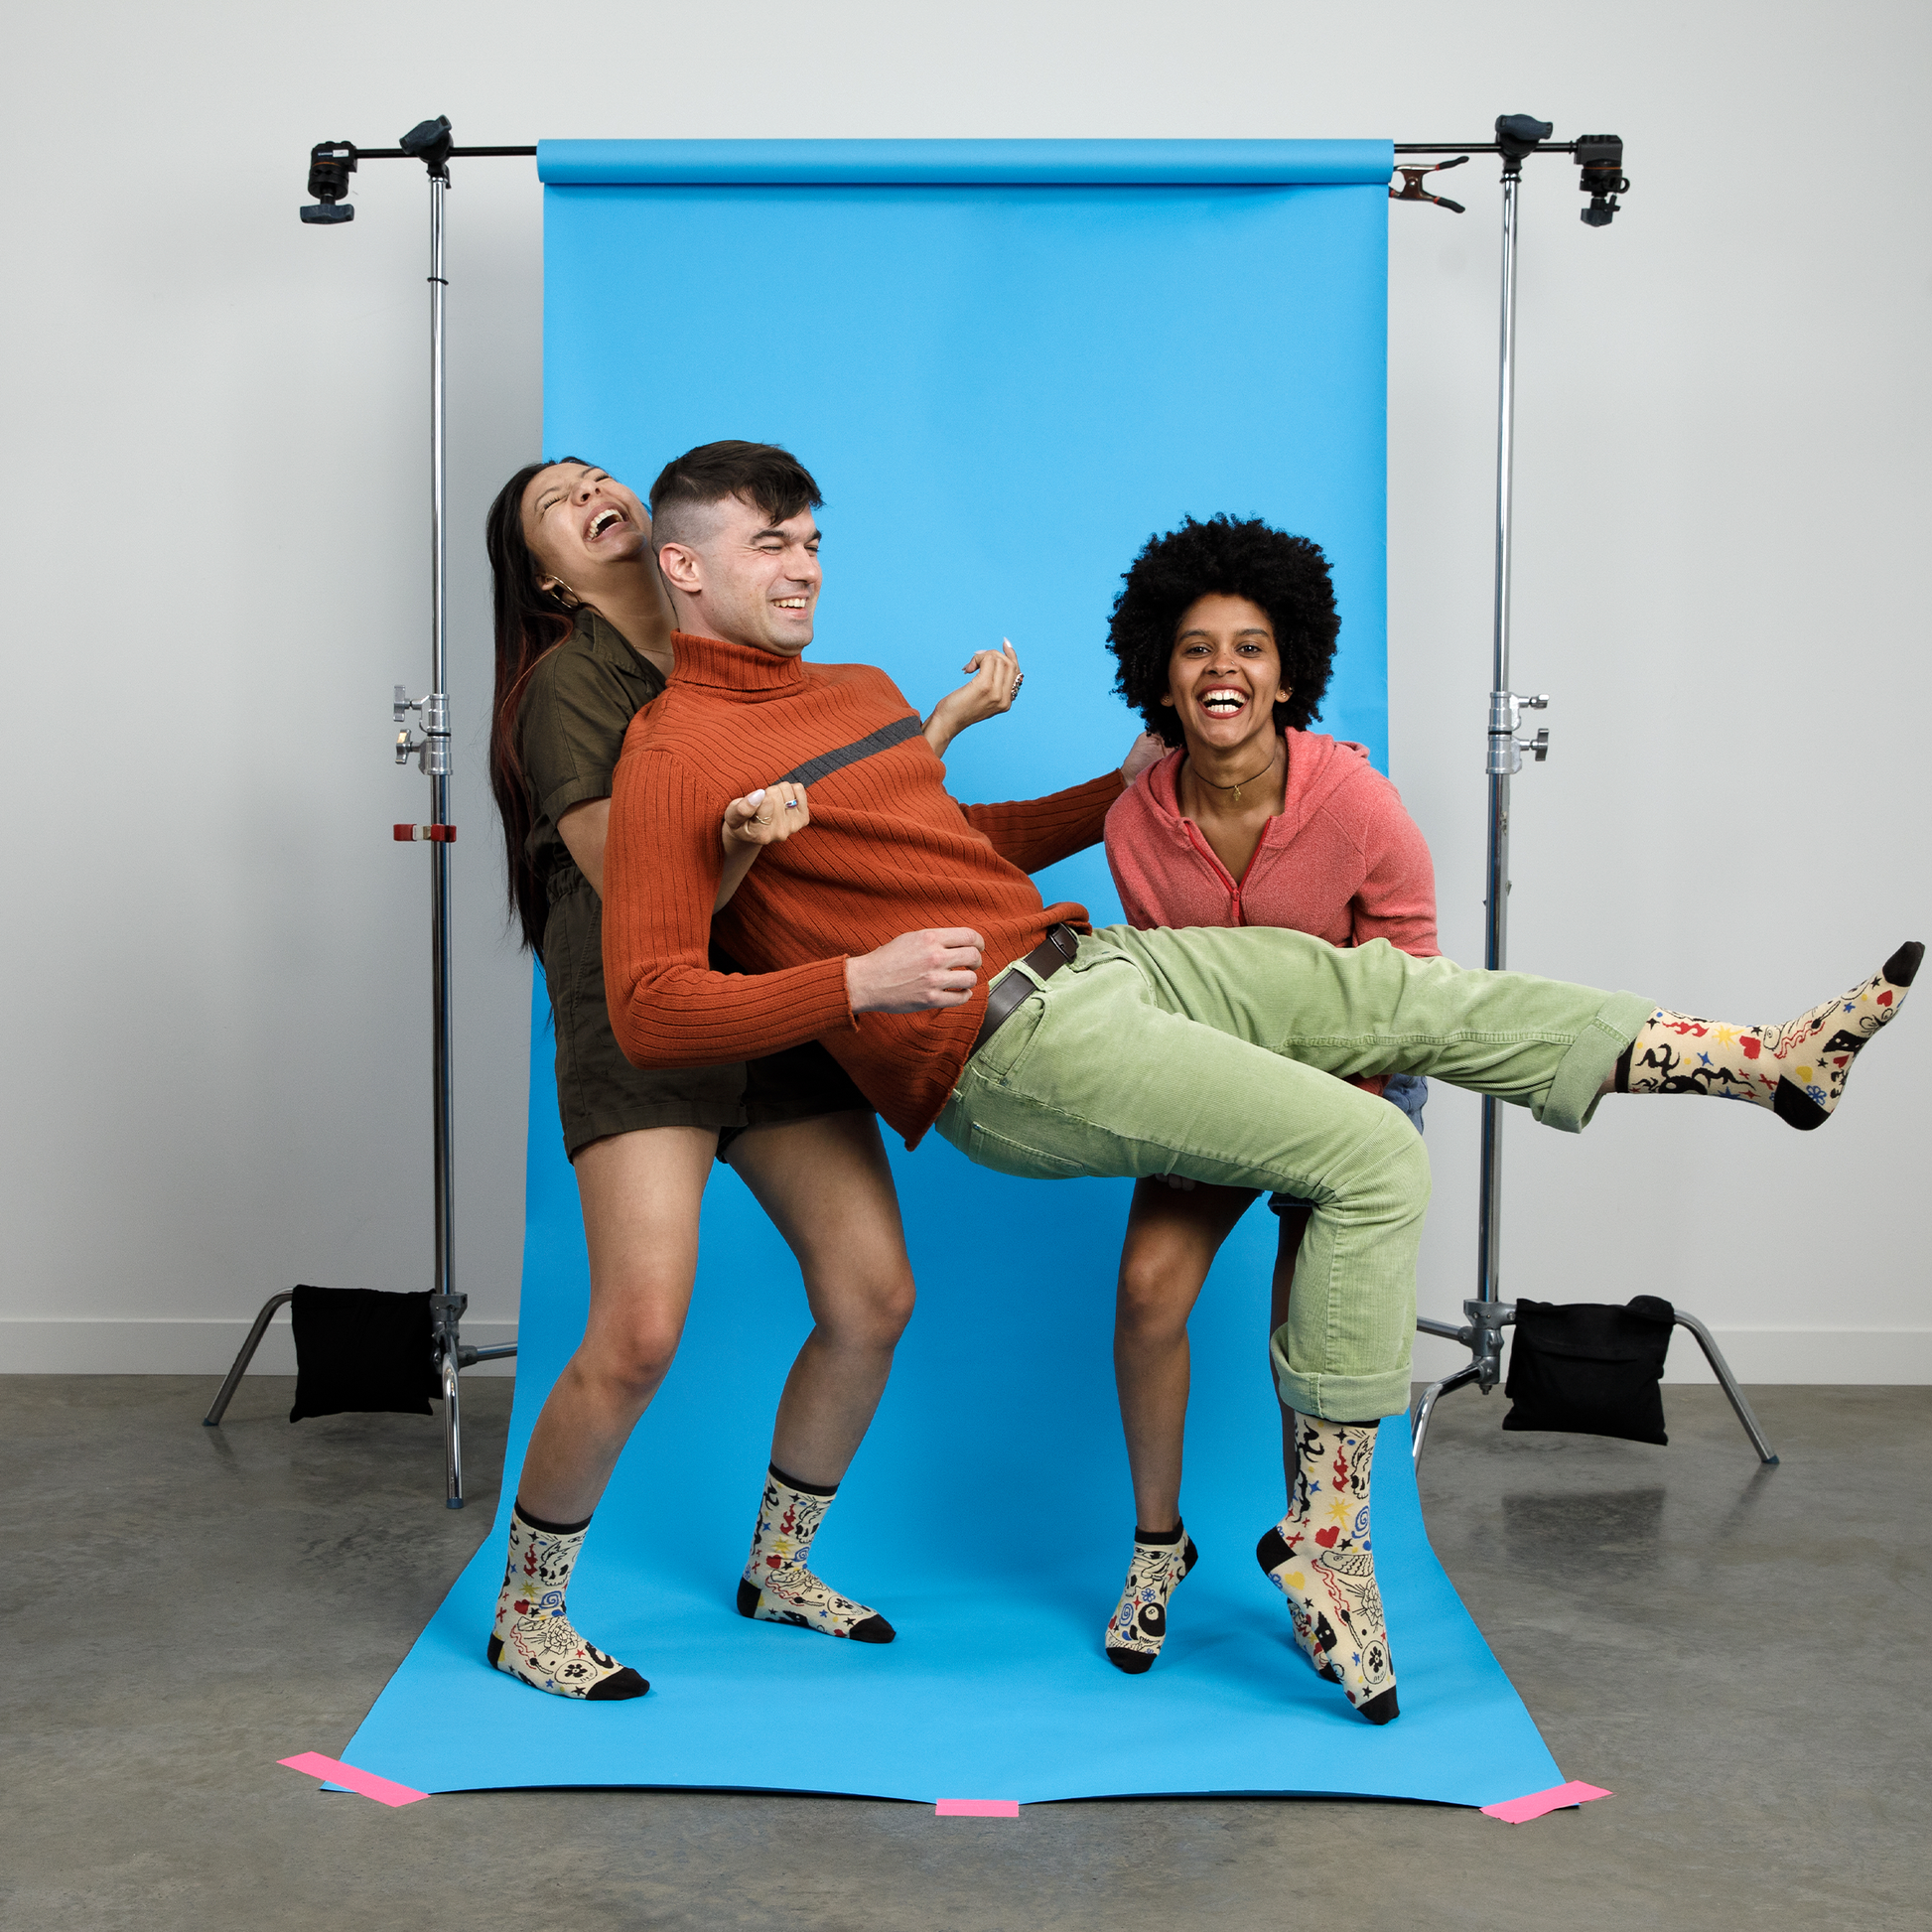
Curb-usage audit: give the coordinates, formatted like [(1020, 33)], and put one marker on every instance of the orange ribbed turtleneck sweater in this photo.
[(886, 852)]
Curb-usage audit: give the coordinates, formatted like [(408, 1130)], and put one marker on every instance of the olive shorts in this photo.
[(1221, 1053), (598, 1091)]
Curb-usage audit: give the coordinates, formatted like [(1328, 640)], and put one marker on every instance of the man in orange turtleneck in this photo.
[(899, 928)]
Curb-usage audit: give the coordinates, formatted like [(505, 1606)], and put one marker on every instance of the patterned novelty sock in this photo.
[(533, 1638), (777, 1587), (1318, 1557), (1140, 1620), (1797, 1070)]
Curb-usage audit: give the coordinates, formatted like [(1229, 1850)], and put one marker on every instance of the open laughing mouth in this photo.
[(604, 520), (791, 602), (1224, 703)]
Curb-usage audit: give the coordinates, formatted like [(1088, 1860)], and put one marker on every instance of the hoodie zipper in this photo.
[(1207, 852)]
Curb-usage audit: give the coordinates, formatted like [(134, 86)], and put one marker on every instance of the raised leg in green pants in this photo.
[(1211, 1052)]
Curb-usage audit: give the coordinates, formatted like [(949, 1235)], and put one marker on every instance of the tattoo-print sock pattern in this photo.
[(1317, 1556), (1797, 1070), (777, 1588), (533, 1638), (1139, 1621)]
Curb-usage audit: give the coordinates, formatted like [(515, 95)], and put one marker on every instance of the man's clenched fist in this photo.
[(917, 972)]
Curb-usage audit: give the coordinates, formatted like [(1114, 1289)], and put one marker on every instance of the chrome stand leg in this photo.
[(1431, 1395), (1729, 1382), (453, 1430), (213, 1420)]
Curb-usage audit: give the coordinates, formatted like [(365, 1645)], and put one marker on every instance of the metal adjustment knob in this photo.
[(1506, 749)]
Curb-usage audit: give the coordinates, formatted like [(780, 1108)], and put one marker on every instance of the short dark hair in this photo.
[(759, 473), (1288, 576)]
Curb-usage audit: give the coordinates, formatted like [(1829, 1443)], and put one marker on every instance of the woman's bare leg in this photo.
[(1293, 1224), (1171, 1241), (641, 1194), (828, 1188)]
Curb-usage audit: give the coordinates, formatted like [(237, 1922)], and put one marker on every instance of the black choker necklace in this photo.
[(1235, 790)]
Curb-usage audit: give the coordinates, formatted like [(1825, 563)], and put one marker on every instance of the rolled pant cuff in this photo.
[(1343, 1398), (1576, 1090)]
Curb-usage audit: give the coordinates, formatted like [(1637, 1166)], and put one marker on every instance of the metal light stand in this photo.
[(330, 164), (1600, 158)]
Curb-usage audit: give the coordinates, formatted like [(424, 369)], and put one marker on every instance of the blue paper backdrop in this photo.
[(1003, 390)]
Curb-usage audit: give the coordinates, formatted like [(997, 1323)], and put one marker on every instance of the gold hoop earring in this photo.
[(561, 593)]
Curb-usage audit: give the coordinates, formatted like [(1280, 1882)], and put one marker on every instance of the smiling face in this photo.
[(579, 522), (1224, 677), (739, 576)]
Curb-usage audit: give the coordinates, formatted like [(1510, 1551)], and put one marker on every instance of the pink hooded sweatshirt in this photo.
[(1342, 860)]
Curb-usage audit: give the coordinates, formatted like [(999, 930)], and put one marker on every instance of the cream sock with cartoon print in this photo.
[(777, 1588), (533, 1638), (1138, 1625), (1317, 1556), (1797, 1070)]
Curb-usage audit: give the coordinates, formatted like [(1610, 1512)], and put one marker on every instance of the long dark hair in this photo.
[(530, 624)]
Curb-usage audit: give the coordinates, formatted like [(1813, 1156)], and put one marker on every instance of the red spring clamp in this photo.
[(438, 834)]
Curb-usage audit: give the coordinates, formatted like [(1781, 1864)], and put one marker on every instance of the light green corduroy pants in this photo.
[(1213, 1052)]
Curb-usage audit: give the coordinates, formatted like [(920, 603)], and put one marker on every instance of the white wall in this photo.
[(215, 533)]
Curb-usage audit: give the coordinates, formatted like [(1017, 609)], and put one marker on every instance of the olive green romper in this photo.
[(570, 731)]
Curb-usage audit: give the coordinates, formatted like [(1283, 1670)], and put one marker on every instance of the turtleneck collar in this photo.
[(744, 668)]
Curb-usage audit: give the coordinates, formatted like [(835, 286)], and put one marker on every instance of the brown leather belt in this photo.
[(1011, 989)]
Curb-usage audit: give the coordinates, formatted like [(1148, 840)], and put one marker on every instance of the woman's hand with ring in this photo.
[(768, 816), (994, 678)]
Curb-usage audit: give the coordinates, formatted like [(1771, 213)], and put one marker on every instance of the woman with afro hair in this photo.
[(1225, 636)]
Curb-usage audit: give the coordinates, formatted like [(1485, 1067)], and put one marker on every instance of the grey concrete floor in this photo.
[(1741, 1655)]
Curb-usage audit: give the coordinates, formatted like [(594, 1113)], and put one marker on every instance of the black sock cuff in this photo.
[(549, 1529), (1622, 1084), (1159, 1539), (803, 1488)]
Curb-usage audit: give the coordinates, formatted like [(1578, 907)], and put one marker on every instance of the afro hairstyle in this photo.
[(1287, 576)]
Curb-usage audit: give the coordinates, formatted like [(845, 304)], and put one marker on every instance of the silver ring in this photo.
[(791, 804)]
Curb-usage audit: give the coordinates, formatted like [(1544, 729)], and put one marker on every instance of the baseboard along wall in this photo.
[(111, 1346)]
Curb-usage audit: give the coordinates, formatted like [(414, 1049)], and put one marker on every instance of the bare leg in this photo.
[(827, 1186), (1171, 1241), (1293, 1224), (640, 1193)]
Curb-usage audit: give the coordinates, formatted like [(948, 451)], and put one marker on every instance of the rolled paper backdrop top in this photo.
[(1005, 164)]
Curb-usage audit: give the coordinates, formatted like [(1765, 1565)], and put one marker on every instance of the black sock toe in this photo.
[(1796, 1108), (616, 1687), (1381, 1708), (875, 1629), (1902, 967), (748, 1597), (1132, 1662)]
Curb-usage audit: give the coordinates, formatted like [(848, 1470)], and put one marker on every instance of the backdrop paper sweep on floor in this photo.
[(1007, 363), (989, 1517)]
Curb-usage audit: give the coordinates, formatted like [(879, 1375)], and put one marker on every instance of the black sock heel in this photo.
[(495, 1651), (748, 1597)]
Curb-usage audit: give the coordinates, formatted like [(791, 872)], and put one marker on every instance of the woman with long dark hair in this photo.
[(583, 642)]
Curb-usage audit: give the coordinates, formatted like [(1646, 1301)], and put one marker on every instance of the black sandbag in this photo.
[(359, 1349), (1591, 1368)]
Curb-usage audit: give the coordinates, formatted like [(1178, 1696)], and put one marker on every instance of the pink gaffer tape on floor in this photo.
[(1519, 1811), (382, 1790), (978, 1808)]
